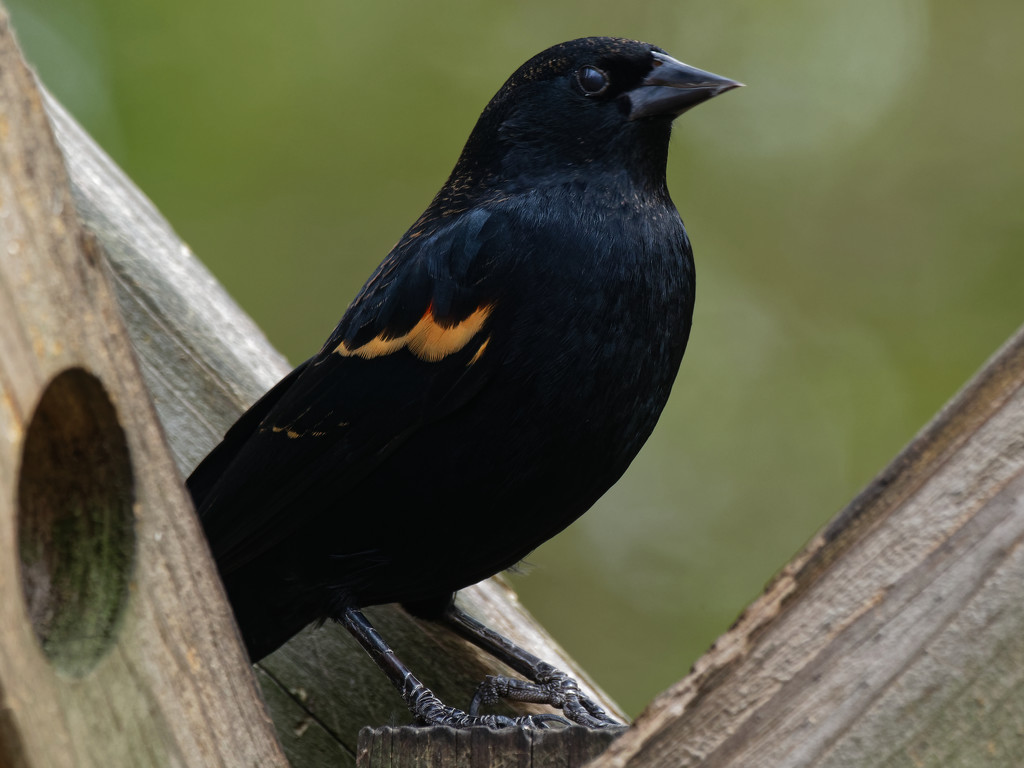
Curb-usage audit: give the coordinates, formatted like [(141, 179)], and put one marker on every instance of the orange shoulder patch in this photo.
[(429, 340)]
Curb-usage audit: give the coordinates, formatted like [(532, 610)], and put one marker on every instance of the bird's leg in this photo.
[(421, 701), (549, 685)]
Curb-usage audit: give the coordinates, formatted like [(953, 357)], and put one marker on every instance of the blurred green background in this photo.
[(855, 212)]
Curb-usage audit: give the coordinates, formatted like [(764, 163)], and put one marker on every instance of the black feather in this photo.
[(495, 375)]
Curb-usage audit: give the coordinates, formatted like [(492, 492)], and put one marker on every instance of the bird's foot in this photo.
[(430, 710), (553, 687)]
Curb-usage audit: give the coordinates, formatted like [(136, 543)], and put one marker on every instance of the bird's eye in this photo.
[(592, 80)]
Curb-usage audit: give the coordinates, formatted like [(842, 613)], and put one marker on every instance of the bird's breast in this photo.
[(592, 327)]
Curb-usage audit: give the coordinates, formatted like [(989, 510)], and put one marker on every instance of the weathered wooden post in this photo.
[(896, 638), (116, 645)]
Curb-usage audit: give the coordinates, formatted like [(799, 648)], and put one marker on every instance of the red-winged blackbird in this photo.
[(495, 376)]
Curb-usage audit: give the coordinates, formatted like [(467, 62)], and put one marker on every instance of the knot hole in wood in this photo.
[(76, 534)]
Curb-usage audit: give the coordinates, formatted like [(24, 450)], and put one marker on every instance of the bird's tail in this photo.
[(267, 614)]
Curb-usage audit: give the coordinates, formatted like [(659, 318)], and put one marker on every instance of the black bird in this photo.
[(492, 379)]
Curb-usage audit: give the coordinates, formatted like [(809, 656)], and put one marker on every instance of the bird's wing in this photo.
[(209, 472), (411, 348)]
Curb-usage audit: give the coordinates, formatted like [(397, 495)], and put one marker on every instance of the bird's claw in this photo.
[(553, 687), (430, 710)]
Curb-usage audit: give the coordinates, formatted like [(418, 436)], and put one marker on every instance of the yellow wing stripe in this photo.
[(429, 340)]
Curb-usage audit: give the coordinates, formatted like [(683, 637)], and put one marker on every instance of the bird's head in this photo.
[(596, 102)]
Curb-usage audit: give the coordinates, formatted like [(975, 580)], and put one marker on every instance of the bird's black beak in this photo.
[(672, 87)]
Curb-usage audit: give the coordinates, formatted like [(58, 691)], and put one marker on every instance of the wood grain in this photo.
[(482, 747), (116, 642)]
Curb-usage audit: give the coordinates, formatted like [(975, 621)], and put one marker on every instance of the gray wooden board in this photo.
[(897, 637), (438, 747)]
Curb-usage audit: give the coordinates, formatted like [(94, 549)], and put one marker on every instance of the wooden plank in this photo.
[(897, 637), (440, 747), (116, 642), (203, 361)]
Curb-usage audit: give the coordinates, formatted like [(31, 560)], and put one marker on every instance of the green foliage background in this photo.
[(856, 216)]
